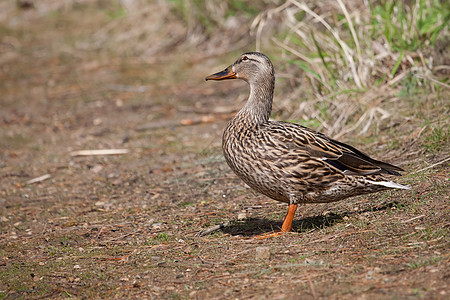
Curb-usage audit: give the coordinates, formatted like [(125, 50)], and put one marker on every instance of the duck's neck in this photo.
[(259, 104)]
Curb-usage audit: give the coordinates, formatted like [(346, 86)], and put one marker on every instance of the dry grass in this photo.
[(347, 64)]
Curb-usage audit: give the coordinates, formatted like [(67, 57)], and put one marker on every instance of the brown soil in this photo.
[(124, 226)]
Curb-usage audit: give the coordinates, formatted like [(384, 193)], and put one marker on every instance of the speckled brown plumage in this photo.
[(288, 162)]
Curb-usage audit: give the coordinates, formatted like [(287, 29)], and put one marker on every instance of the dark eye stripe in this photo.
[(246, 58)]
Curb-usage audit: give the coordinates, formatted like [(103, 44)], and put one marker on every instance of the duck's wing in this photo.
[(341, 156)]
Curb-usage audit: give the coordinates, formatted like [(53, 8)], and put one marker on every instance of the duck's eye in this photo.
[(244, 58)]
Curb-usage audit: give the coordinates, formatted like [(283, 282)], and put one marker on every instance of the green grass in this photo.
[(415, 264), (158, 239), (18, 279), (437, 139), (409, 27), (346, 59), (209, 16), (410, 86), (15, 141), (404, 28)]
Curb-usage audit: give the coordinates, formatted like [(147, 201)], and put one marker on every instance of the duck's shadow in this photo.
[(257, 226)]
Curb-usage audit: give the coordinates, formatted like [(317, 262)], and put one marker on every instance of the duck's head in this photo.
[(250, 67)]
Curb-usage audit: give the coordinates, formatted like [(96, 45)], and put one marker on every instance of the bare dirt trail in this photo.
[(124, 225)]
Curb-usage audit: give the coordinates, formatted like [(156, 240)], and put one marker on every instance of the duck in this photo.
[(288, 162)]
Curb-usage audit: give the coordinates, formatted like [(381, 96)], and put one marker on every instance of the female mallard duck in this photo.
[(288, 162)]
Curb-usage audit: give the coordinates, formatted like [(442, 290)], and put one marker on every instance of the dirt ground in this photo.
[(124, 226)]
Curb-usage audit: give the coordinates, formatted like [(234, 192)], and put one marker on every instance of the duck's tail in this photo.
[(390, 184)]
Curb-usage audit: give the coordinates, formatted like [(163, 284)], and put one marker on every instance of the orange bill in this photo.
[(225, 74)]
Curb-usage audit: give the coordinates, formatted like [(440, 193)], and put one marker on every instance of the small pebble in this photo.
[(97, 168), (262, 253), (241, 216), (99, 203), (157, 226)]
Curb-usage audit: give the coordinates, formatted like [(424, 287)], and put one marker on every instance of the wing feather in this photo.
[(319, 146)]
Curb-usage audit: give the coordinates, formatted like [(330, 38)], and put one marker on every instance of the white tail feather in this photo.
[(390, 184)]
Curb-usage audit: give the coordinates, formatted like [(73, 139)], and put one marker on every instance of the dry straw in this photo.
[(346, 60)]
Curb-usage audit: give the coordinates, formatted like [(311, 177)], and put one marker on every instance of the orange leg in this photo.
[(287, 224)]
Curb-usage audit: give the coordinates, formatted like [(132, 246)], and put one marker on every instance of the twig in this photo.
[(412, 219), (306, 59), (99, 232), (351, 128), (352, 29), (433, 80), (224, 283), (347, 50), (212, 229), (433, 165), (183, 122), (220, 110), (396, 79), (99, 152), (39, 179), (260, 21), (311, 286), (127, 88)]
